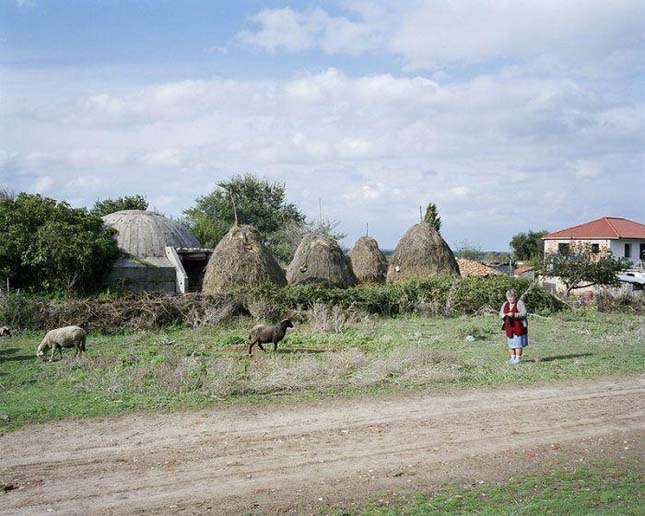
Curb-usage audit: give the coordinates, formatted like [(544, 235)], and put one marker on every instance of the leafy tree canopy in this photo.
[(528, 246), (580, 267), (47, 245), (432, 217), (259, 202), (129, 202)]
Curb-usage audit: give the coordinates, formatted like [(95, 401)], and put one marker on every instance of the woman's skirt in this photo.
[(518, 341)]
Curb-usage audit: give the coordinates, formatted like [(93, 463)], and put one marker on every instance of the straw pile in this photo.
[(368, 262), (319, 259), (421, 253), (240, 259)]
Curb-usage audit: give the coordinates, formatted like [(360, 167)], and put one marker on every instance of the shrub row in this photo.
[(438, 296)]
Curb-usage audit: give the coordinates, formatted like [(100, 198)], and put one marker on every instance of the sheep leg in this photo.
[(251, 348), (51, 356), (275, 346), (261, 347)]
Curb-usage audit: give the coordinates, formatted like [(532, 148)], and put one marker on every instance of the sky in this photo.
[(509, 115)]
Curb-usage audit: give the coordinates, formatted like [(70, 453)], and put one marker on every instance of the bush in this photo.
[(438, 296), (50, 246)]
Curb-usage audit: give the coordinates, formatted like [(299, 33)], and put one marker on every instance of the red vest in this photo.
[(513, 326)]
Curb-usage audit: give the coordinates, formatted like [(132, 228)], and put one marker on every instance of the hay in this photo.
[(421, 253), (240, 260), (319, 259), (368, 262)]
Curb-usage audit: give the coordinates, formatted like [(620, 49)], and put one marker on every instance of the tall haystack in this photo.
[(421, 253), (319, 259), (240, 259), (368, 262)]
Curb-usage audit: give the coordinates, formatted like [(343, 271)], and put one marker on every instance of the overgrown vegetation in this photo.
[(529, 246), (129, 202), (331, 352), (603, 488), (50, 246), (580, 266), (447, 296)]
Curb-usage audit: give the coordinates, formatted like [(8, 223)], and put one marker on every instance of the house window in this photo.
[(595, 248), (628, 250), (563, 248)]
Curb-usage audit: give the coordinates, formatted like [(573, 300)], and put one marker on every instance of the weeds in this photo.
[(179, 367)]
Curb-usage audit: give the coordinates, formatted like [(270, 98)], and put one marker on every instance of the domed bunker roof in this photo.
[(145, 233)]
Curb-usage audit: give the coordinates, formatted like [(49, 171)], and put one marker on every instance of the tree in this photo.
[(129, 202), (432, 217), (259, 203), (580, 267), (469, 251), (528, 246), (48, 245)]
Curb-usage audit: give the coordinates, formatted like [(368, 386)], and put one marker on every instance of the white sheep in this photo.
[(5, 332), (67, 337)]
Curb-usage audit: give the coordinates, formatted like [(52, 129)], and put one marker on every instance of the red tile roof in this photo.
[(605, 227)]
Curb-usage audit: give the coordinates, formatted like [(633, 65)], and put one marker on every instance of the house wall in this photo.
[(551, 245), (140, 276), (617, 246)]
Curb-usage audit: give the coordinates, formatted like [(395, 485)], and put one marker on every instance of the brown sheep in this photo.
[(262, 334)]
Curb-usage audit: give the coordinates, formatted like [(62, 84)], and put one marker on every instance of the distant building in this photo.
[(160, 255), (468, 268), (524, 270), (622, 237)]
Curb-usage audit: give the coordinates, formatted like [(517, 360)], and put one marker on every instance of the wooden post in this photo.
[(420, 213), (367, 229)]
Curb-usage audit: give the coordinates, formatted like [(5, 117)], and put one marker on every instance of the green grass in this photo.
[(603, 489), (195, 368)]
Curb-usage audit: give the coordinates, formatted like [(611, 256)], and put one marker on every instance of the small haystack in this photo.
[(368, 262), (421, 253), (319, 259), (240, 259)]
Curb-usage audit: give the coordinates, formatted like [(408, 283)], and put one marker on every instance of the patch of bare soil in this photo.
[(299, 458)]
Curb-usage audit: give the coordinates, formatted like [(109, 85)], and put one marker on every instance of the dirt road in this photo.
[(295, 458)]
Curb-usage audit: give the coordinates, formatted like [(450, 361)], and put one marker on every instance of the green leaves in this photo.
[(129, 202), (580, 267), (48, 245), (528, 246), (432, 217), (258, 202)]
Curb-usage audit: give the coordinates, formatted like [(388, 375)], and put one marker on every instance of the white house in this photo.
[(622, 237)]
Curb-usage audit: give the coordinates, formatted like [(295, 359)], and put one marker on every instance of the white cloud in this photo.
[(302, 30), (490, 150), (429, 34)]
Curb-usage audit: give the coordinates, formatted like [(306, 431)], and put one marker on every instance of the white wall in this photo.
[(618, 248)]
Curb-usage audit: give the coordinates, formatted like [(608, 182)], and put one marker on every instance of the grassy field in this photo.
[(194, 368), (603, 489)]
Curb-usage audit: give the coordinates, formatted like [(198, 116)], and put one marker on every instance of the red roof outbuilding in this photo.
[(603, 228)]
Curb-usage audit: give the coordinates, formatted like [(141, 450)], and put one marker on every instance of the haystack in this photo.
[(368, 262), (240, 259), (319, 259), (421, 253)]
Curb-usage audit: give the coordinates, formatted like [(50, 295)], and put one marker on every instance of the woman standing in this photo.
[(514, 315)]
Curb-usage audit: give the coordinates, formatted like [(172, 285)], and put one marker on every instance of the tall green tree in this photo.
[(580, 267), (528, 246), (129, 202), (48, 245), (259, 202), (432, 217)]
